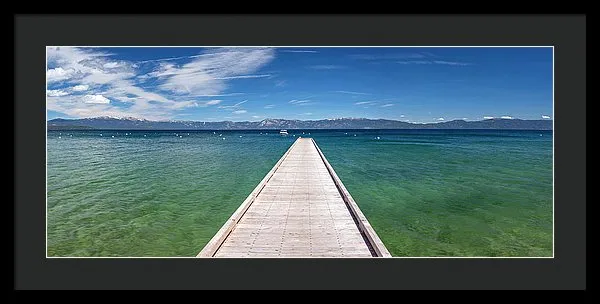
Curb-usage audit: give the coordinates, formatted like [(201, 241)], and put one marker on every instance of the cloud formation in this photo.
[(453, 63), (98, 99), (351, 92), (153, 89), (418, 58), (213, 102), (80, 87), (234, 106), (365, 103), (206, 75), (299, 102), (56, 93), (325, 67), (506, 117), (545, 117), (298, 51), (58, 74)]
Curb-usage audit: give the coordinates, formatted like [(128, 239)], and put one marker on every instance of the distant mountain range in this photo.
[(113, 123)]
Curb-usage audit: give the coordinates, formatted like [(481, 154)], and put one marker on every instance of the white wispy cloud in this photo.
[(506, 117), (234, 106), (80, 88), (243, 77), (95, 99), (451, 62), (391, 56), (122, 88), (239, 112), (365, 103), (269, 106), (488, 117), (441, 119), (168, 59), (256, 116), (216, 95), (415, 62), (105, 80), (280, 83), (85, 66), (298, 51), (545, 117), (113, 64), (298, 102), (210, 102), (207, 74), (454, 63), (56, 93), (402, 116), (325, 67), (387, 105), (59, 74), (421, 58), (351, 92)]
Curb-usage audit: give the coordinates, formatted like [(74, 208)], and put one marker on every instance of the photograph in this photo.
[(299, 151)]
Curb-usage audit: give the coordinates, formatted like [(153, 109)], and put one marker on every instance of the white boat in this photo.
[(283, 132)]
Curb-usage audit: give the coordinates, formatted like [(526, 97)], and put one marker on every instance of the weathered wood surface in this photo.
[(300, 209)]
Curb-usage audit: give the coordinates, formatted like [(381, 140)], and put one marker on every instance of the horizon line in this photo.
[(269, 118)]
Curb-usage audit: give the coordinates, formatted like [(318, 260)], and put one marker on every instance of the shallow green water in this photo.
[(426, 193)]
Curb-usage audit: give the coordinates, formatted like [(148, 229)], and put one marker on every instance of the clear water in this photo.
[(425, 192)]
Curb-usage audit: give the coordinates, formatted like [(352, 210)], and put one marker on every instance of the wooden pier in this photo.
[(299, 209)]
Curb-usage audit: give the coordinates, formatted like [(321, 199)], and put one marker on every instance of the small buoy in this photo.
[(540, 134), (223, 138), (354, 134), (70, 135), (346, 133), (144, 135), (220, 134), (59, 137), (188, 134), (113, 136), (180, 136), (214, 132), (240, 135), (100, 134), (378, 137)]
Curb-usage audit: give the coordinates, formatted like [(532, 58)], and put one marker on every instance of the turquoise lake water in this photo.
[(425, 192)]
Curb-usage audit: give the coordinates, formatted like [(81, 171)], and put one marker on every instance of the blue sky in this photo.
[(250, 84)]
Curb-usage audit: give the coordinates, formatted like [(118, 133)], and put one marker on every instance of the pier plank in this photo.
[(298, 210)]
